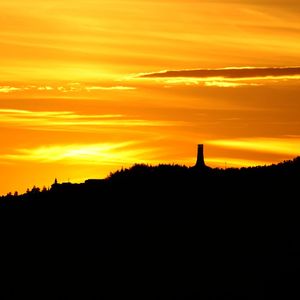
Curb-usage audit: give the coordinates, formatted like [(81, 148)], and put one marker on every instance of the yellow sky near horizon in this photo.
[(74, 103)]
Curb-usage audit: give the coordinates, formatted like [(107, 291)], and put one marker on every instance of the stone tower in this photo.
[(200, 157)]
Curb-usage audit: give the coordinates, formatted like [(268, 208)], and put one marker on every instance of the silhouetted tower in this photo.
[(200, 157)]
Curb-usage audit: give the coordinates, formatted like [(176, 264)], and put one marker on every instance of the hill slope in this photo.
[(168, 232)]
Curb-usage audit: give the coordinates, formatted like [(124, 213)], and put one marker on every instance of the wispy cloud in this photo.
[(68, 120), (228, 84), (243, 72), (286, 146), (8, 89), (100, 154), (109, 88), (208, 82), (67, 88), (226, 77)]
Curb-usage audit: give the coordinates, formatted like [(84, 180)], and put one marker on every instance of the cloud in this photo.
[(286, 146), (230, 73), (228, 84), (69, 121), (109, 88), (9, 89), (105, 153), (225, 78), (72, 87)]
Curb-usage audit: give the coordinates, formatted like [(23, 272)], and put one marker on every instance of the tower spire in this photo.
[(200, 157)]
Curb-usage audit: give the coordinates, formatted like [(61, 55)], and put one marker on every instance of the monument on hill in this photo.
[(200, 157)]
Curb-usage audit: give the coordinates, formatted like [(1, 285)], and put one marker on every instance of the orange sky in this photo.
[(89, 86)]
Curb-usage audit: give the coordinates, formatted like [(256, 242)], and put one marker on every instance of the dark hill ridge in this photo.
[(167, 231)]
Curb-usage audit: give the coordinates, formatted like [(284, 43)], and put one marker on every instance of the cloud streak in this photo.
[(282, 146), (8, 89), (227, 73), (68, 120), (86, 154), (72, 87)]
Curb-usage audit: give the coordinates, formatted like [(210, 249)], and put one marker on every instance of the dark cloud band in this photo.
[(228, 73)]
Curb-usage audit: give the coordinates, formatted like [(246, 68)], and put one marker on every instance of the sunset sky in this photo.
[(90, 86)]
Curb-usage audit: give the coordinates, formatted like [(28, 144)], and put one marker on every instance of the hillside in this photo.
[(169, 232)]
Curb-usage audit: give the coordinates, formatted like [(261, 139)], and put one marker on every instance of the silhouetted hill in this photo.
[(164, 231)]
